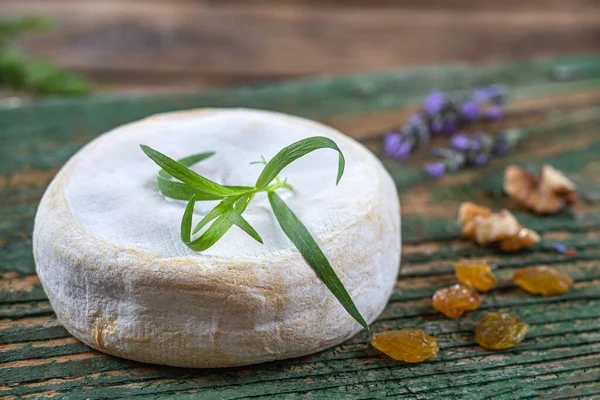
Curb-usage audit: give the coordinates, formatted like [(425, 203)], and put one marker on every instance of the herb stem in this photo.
[(279, 185)]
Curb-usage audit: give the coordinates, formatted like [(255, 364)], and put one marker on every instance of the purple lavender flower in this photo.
[(395, 146), (433, 102), (498, 94), (481, 159), (436, 125), (495, 94), (493, 113), (391, 141), (446, 123), (481, 95), (482, 142), (403, 150), (470, 110), (461, 141), (435, 169), (416, 131), (449, 127), (506, 141)]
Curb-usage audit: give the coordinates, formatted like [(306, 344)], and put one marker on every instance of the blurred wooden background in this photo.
[(163, 45)]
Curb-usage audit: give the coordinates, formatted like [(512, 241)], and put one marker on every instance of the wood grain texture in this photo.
[(189, 45), (556, 102)]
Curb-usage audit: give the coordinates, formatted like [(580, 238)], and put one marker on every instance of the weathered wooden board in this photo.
[(558, 102), (154, 44)]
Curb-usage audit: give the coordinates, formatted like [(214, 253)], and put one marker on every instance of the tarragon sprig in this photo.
[(233, 202)]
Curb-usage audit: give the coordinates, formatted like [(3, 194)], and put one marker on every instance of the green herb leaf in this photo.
[(186, 221), (219, 209), (227, 213), (212, 234), (236, 218), (190, 177), (308, 247), (181, 191), (293, 152)]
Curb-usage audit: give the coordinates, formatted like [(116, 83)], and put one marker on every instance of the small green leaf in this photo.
[(188, 176), (219, 209), (293, 152), (227, 213), (186, 221), (237, 219), (188, 162), (304, 242), (212, 234), (181, 191)]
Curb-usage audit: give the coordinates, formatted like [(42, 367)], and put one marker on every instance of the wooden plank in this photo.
[(39, 358), (192, 45), (456, 348)]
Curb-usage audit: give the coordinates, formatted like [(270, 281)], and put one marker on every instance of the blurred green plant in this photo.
[(18, 72)]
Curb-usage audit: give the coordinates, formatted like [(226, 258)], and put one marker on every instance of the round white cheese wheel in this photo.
[(109, 254)]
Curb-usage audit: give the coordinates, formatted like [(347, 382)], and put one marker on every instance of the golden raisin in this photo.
[(409, 345), (478, 275), (542, 280), (455, 300), (497, 331), (523, 239)]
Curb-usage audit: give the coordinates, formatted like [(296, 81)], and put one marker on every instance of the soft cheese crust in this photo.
[(130, 288)]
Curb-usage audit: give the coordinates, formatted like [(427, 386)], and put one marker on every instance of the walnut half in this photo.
[(546, 194), (486, 228)]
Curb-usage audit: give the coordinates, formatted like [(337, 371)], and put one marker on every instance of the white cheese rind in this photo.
[(120, 280)]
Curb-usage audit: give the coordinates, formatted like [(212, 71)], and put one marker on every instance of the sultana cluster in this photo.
[(495, 331)]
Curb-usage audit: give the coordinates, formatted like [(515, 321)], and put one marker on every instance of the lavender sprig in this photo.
[(474, 149), (443, 113)]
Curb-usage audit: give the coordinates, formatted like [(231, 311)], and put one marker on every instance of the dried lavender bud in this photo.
[(452, 105), (481, 159), (450, 123), (396, 146), (436, 169), (455, 160), (452, 159), (481, 95), (480, 151), (461, 141), (506, 141), (498, 94), (434, 102), (483, 143), (492, 113), (416, 131), (470, 111), (477, 158), (391, 141), (436, 124), (402, 151)]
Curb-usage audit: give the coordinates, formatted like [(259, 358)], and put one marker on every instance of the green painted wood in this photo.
[(560, 357)]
